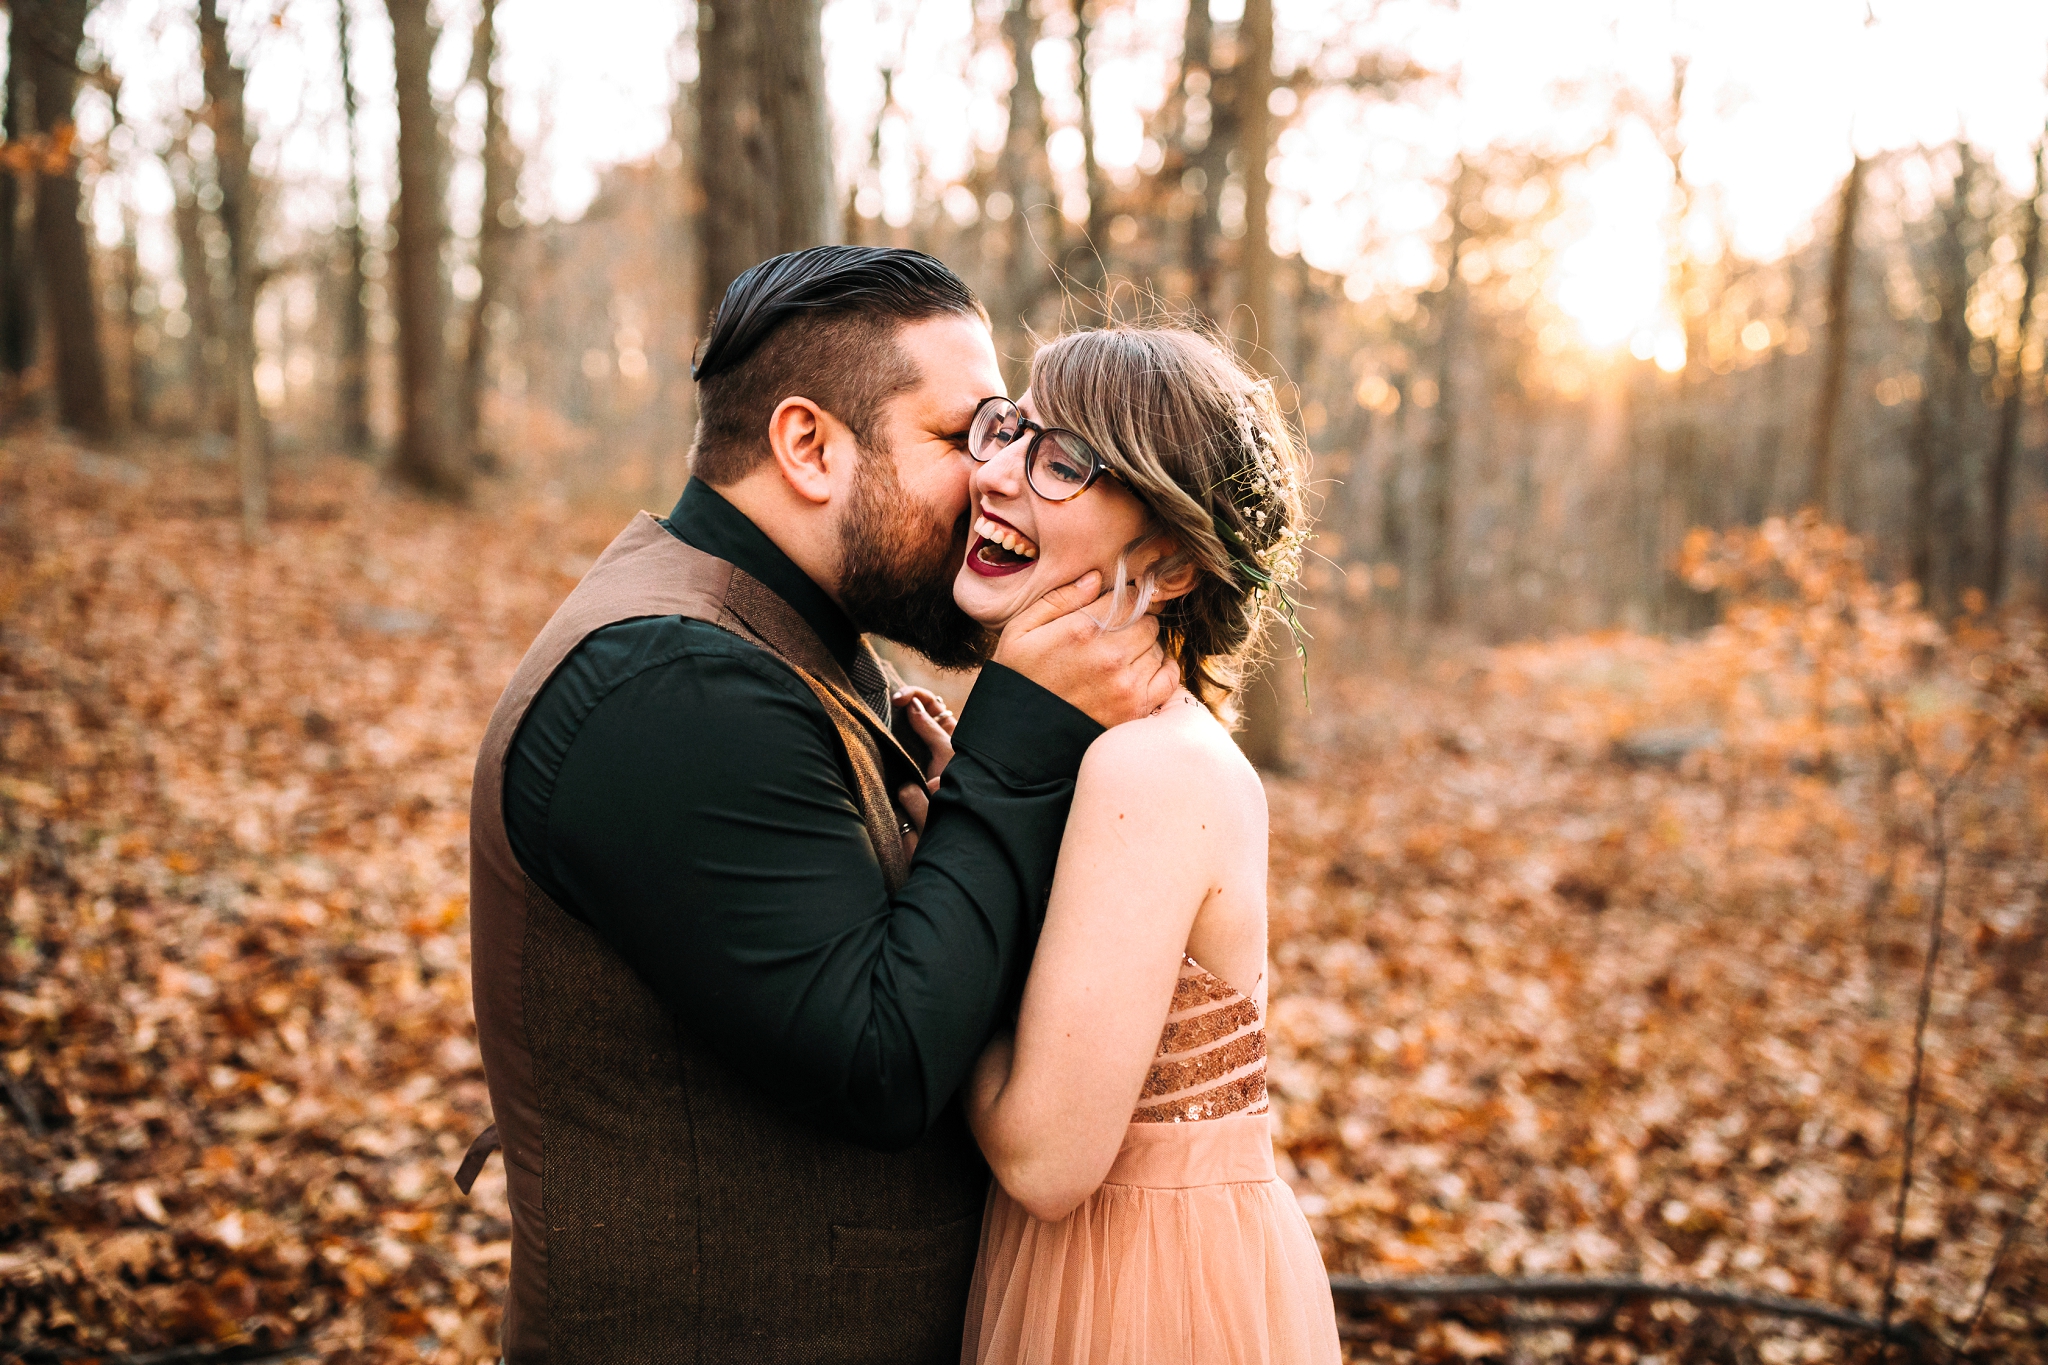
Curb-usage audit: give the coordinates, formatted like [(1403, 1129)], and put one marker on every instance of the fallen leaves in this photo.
[(233, 805), (1573, 966)]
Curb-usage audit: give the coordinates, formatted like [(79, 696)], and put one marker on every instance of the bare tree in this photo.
[(1934, 441), (494, 232), (1252, 96), (226, 116), (44, 40), (352, 378), (1264, 736), (138, 368), (1026, 178), (1208, 132), (1439, 458), (1835, 364), (17, 286), (204, 371), (1086, 264), (766, 136), (2012, 380), (428, 459), (1682, 492)]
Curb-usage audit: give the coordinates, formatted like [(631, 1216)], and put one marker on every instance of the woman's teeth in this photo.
[(1006, 537)]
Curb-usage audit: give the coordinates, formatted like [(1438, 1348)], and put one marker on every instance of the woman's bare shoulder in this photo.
[(1180, 754)]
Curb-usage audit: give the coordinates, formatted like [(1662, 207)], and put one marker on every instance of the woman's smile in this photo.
[(998, 549)]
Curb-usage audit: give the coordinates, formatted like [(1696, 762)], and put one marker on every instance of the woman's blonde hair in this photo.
[(1201, 440)]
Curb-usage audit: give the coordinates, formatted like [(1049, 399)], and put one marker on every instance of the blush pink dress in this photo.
[(1192, 1250)]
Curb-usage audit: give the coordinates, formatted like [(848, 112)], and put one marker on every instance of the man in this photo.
[(723, 1013)]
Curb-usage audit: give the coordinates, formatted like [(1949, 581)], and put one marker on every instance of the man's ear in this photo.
[(798, 432)]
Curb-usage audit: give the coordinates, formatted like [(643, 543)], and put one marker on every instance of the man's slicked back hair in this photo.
[(819, 324)]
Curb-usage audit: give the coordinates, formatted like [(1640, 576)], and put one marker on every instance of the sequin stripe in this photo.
[(1163, 1059), (1171, 1098), (1185, 1035), (1203, 989), (1246, 1094), (1167, 1077)]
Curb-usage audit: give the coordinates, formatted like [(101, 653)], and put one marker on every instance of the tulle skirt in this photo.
[(1192, 1251)]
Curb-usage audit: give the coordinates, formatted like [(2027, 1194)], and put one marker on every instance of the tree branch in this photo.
[(1613, 1287)]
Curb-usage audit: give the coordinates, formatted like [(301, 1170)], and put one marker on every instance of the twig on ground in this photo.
[(1610, 1287), (170, 1355), (2005, 1242), (1937, 918), (1937, 915)]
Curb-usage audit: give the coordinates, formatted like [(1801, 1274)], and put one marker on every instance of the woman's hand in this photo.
[(931, 721)]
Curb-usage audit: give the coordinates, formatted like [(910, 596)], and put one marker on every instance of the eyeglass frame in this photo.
[(1098, 468)]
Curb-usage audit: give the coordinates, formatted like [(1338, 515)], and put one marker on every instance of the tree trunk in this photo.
[(1267, 715), (225, 115), (203, 340), (1088, 265), (1935, 438), (766, 136), (1439, 513), (793, 82), (1026, 177), (197, 279), (352, 368), (1835, 364), (429, 459), (2002, 470), (52, 31), (139, 369), (1252, 87), (494, 232), (17, 285), (1206, 141)]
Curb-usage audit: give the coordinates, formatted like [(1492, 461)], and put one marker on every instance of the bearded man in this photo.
[(723, 1010)]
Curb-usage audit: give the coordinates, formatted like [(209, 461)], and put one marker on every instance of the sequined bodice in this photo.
[(1212, 1053)]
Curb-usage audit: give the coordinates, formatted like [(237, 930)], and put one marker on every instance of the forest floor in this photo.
[(1594, 957)]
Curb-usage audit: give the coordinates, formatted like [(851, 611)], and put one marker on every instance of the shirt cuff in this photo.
[(1013, 722)]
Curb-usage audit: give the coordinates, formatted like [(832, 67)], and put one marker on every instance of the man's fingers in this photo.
[(1165, 680), (1142, 638), (1061, 601)]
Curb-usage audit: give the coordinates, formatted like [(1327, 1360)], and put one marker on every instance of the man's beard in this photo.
[(898, 563)]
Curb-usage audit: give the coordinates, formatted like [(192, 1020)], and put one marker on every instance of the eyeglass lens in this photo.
[(1057, 464), (995, 426), (1058, 467)]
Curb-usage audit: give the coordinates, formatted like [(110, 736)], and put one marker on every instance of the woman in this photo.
[(1136, 1216)]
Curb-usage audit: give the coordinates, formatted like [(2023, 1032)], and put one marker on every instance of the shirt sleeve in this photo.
[(704, 822)]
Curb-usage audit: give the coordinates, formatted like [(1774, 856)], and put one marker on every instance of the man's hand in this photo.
[(1111, 675)]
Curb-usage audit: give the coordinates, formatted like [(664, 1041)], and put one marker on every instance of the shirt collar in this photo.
[(706, 520)]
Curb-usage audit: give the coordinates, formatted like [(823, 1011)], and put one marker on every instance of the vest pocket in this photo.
[(859, 1248)]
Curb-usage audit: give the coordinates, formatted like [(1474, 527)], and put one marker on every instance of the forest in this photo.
[(1659, 782)]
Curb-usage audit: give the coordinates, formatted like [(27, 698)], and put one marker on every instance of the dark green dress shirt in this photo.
[(684, 793)]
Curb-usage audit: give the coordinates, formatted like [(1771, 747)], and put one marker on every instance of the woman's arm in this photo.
[(1050, 1107)]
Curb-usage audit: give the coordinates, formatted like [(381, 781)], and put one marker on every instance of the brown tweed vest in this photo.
[(660, 1210)]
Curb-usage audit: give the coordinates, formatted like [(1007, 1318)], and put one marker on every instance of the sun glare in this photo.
[(1610, 277)]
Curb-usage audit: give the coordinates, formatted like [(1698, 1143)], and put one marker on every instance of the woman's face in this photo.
[(1020, 547)]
